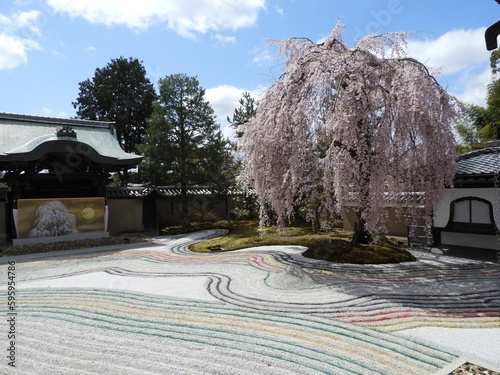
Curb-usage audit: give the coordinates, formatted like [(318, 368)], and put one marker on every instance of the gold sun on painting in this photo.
[(88, 213)]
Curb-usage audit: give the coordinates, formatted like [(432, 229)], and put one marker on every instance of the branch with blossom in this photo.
[(383, 121)]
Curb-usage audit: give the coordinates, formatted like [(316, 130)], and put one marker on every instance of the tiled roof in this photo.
[(139, 191), (55, 120), (128, 192), (27, 139), (168, 191), (480, 162)]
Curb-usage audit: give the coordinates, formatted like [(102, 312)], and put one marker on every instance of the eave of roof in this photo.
[(26, 138), (485, 161), (56, 120), (170, 191)]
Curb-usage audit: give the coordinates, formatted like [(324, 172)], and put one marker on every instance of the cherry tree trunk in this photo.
[(361, 235)]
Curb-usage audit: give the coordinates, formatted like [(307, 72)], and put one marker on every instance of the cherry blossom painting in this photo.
[(60, 217)]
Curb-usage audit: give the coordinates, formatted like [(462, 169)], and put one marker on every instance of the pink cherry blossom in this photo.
[(367, 127)]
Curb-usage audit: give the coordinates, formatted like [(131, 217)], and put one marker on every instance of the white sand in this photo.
[(255, 280), (480, 344), (179, 287)]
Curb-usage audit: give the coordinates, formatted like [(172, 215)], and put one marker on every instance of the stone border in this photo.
[(456, 365), (70, 237)]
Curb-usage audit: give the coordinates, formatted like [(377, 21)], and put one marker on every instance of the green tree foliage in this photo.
[(183, 144), (492, 130), (122, 93), (245, 113), (473, 129), (482, 124)]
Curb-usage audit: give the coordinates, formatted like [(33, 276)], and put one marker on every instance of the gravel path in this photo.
[(158, 308)]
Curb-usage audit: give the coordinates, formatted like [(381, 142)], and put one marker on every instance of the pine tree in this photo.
[(245, 113), (122, 93), (183, 144)]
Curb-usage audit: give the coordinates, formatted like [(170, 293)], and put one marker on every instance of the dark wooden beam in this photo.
[(491, 35)]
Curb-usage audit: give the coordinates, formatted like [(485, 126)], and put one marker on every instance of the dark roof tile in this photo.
[(483, 161)]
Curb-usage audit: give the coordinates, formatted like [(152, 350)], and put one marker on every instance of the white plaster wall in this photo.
[(469, 240)]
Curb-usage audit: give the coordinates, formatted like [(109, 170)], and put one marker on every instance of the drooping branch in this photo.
[(381, 120), (412, 60), (338, 143)]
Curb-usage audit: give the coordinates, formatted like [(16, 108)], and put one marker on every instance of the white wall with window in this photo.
[(467, 217)]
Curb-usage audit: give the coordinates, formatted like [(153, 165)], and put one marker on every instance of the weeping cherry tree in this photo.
[(363, 126)]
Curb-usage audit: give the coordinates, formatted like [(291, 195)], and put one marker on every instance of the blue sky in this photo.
[(48, 46)]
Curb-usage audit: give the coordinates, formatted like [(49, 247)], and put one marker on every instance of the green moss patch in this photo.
[(342, 251), (333, 246)]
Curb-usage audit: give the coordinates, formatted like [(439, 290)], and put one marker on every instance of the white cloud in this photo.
[(187, 17), (228, 132), (224, 39), (463, 59), (13, 48), (473, 86), (12, 52), (25, 21), (224, 100), (262, 55), (453, 51), (28, 21)]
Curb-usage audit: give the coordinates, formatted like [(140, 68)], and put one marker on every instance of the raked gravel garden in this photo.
[(158, 308)]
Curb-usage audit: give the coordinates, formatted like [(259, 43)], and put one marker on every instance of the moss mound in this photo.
[(334, 246), (342, 251)]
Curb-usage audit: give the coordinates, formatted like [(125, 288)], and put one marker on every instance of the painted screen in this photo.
[(59, 217)]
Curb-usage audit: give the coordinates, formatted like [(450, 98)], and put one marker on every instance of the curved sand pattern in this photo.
[(262, 310)]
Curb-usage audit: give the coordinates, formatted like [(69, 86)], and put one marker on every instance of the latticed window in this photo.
[(471, 215), (473, 211)]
